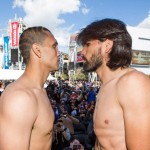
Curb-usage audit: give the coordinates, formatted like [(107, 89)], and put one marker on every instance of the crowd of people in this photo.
[(73, 104)]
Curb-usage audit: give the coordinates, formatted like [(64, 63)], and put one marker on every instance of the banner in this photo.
[(71, 66), (6, 52), (79, 57), (141, 57), (14, 34), (61, 62), (72, 54), (14, 55), (1, 48)]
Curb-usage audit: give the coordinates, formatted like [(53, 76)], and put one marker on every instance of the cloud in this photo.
[(48, 13), (145, 23), (84, 9)]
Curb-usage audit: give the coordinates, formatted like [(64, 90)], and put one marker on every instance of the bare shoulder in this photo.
[(135, 77), (133, 94), (13, 94), (18, 102), (133, 84)]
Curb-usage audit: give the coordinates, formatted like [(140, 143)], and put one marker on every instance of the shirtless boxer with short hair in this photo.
[(122, 111), (26, 116)]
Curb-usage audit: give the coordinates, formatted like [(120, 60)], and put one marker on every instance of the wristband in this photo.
[(64, 130)]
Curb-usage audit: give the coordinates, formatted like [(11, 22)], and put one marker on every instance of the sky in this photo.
[(66, 17)]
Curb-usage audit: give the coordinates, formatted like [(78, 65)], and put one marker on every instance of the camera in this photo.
[(76, 147), (58, 125), (65, 115)]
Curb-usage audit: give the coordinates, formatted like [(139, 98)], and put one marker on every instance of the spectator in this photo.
[(61, 136), (73, 95), (75, 145), (91, 95), (68, 121), (91, 137), (74, 110)]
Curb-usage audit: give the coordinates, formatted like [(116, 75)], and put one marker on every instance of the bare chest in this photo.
[(45, 118), (108, 121), (108, 114)]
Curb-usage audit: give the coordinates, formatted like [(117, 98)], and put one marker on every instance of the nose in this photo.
[(83, 51), (58, 53)]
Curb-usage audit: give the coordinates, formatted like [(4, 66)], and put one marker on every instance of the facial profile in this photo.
[(50, 54), (94, 62), (114, 30)]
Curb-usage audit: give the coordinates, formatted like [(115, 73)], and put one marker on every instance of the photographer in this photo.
[(69, 121), (74, 145), (61, 136)]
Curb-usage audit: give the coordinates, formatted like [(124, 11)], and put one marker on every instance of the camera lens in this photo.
[(58, 125)]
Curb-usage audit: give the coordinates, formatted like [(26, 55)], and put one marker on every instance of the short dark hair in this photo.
[(29, 37), (115, 30)]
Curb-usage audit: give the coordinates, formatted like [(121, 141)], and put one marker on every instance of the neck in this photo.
[(106, 75), (36, 75)]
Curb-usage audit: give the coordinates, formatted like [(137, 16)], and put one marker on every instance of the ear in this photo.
[(109, 45), (36, 49)]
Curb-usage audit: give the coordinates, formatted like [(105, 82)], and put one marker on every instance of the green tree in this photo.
[(64, 76), (81, 76)]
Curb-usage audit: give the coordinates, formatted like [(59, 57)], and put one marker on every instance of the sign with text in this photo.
[(141, 57), (6, 52), (14, 34), (79, 57)]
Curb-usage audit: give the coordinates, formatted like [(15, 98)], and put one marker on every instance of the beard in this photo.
[(94, 63)]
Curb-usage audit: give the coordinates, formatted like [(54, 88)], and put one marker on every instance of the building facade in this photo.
[(10, 57), (140, 48)]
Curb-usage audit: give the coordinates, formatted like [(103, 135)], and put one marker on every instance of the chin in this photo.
[(87, 69), (53, 69), (56, 69)]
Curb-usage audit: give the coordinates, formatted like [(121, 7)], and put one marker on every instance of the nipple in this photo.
[(106, 122)]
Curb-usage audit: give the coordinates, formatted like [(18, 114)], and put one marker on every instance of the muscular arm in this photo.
[(134, 97), (17, 117)]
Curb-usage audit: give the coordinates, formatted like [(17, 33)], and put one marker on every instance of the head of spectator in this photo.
[(86, 106), (82, 112), (76, 145), (64, 114), (62, 109), (74, 111), (59, 126), (72, 105), (73, 95), (53, 103), (62, 104)]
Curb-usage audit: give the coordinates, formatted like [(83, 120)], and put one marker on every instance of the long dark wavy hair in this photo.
[(115, 30)]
